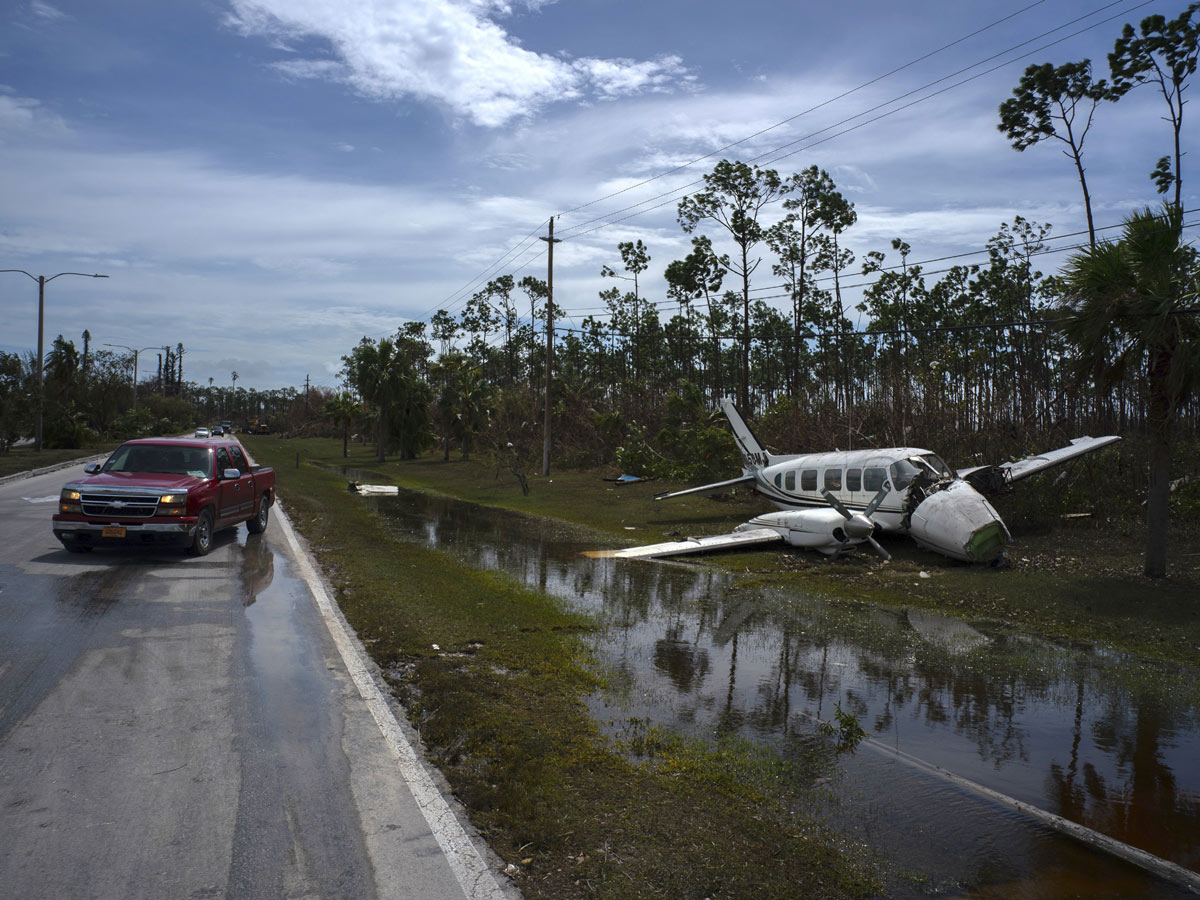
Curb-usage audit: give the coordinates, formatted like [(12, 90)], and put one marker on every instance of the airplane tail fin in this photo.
[(753, 455)]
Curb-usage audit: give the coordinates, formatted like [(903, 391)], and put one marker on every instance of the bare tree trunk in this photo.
[(1159, 494)]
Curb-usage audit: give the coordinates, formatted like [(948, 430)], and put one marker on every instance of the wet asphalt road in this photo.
[(173, 727)]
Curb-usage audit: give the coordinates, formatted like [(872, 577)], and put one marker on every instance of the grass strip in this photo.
[(495, 677)]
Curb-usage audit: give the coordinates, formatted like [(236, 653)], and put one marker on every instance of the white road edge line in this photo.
[(469, 867)]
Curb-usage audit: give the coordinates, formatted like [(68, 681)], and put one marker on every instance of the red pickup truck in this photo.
[(164, 491)]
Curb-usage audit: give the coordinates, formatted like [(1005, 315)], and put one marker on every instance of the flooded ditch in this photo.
[(1102, 739)]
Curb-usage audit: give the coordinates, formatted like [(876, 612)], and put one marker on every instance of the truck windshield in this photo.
[(160, 459)]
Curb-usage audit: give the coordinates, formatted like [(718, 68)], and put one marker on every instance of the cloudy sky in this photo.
[(266, 181)]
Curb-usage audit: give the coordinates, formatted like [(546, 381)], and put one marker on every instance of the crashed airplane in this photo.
[(833, 502)]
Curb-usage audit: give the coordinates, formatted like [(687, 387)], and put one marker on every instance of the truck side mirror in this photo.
[(231, 474), (91, 468)]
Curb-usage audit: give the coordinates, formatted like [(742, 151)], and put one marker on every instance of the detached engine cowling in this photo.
[(958, 522)]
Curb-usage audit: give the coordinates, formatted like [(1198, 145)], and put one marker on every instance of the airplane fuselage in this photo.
[(853, 476)]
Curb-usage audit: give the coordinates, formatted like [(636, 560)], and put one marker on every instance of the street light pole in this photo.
[(41, 280), (135, 365)]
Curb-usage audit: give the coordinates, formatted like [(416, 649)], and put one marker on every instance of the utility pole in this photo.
[(550, 242), (306, 395)]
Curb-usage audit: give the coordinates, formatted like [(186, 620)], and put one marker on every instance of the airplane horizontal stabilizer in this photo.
[(746, 538), (705, 488)]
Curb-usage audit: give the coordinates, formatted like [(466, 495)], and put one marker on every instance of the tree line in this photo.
[(88, 396)]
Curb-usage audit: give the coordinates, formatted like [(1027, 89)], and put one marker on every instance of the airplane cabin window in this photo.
[(808, 480), (789, 480), (854, 479), (902, 473), (873, 479), (778, 480), (833, 479)]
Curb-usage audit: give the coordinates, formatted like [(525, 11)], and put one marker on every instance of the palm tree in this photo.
[(342, 410), (474, 395), (1127, 300), (378, 371)]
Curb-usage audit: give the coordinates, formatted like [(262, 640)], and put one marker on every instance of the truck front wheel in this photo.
[(203, 537)]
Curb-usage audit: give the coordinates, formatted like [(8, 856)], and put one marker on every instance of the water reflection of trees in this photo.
[(763, 663), (1143, 804)]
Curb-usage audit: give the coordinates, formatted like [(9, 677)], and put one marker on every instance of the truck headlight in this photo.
[(172, 504), (69, 502)]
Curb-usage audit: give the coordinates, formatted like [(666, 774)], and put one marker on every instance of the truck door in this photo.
[(250, 495), (231, 490)]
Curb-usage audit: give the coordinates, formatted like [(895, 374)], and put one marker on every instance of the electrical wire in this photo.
[(907, 265), (456, 296), (575, 232), (822, 104)]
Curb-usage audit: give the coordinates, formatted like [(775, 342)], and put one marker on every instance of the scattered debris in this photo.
[(356, 487)]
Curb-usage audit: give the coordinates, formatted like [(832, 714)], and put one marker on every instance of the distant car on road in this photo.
[(201, 432), (217, 431)]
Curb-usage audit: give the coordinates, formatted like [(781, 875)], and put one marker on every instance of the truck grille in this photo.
[(125, 506)]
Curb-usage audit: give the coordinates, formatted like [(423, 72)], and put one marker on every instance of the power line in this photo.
[(530, 238), (822, 104), (912, 265), (530, 241), (606, 221)]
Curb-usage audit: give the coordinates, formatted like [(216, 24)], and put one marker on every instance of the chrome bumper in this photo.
[(132, 528), (140, 534)]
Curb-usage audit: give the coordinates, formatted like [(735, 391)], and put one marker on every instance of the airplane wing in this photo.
[(746, 538), (705, 488), (1032, 465)]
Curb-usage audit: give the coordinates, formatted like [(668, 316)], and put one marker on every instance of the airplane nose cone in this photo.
[(859, 526), (958, 522)]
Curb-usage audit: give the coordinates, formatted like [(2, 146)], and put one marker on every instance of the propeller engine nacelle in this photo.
[(957, 521), (814, 529), (829, 531)]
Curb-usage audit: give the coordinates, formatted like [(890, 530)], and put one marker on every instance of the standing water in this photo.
[(1103, 739)]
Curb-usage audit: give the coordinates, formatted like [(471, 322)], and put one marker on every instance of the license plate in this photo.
[(114, 531)]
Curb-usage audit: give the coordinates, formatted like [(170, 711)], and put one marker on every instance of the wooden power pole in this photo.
[(550, 242)]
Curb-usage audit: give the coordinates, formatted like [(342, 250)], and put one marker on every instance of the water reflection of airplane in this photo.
[(832, 502)]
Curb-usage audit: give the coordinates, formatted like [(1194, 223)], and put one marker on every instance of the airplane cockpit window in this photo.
[(940, 468), (808, 480), (903, 472), (833, 479), (854, 479), (873, 479)]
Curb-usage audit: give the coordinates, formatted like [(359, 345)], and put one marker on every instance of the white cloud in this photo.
[(22, 116), (445, 51), (46, 12)]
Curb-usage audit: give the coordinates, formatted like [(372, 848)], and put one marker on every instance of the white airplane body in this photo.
[(834, 501)]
